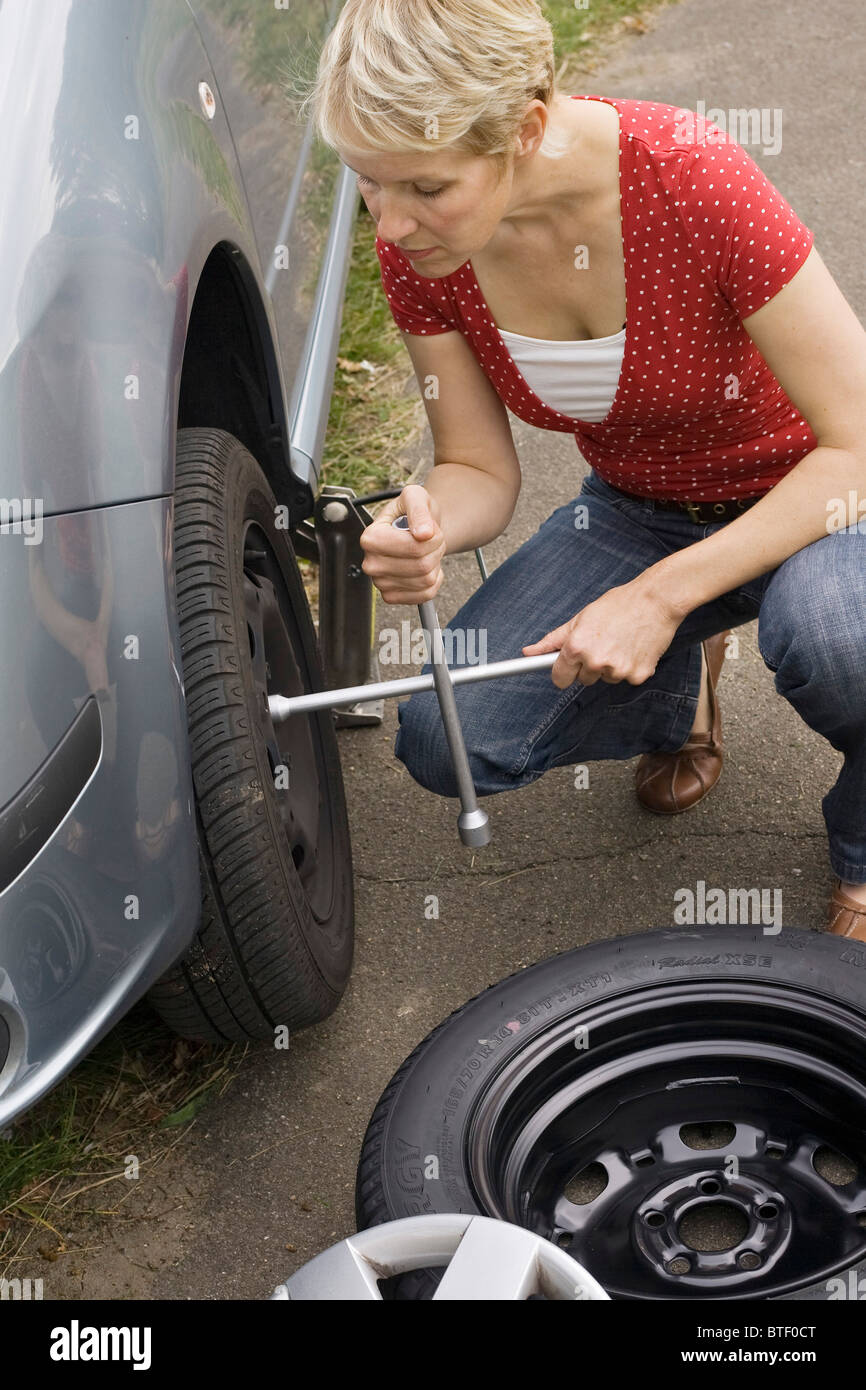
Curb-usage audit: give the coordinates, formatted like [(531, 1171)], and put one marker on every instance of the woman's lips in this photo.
[(419, 255)]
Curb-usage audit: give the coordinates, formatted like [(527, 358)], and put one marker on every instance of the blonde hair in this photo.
[(405, 75)]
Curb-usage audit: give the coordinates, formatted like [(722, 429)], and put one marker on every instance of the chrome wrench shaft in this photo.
[(473, 824), (282, 706)]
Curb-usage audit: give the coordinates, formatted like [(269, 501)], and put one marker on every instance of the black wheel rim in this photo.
[(770, 1079), (293, 747)]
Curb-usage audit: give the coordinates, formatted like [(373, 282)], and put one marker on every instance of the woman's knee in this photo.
[(422, 747), (810, 629), (420, 744)]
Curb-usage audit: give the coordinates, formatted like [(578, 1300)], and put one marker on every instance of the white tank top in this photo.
[(578, 378)]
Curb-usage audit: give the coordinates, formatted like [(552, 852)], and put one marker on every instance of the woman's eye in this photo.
[(424, 192)]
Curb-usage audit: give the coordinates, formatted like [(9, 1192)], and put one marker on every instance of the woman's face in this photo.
[(450, 201)]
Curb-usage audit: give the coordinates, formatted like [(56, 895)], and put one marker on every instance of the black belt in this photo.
[(701, 513)]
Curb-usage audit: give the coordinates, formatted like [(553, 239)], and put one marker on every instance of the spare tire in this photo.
[(275, 939), (683, 1111)]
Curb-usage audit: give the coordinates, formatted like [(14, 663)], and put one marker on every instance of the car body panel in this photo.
[(277, 156), (111, 898), (303, 237), (116, 191)]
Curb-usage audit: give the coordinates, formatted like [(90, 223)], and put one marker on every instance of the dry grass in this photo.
[(133, 1098)]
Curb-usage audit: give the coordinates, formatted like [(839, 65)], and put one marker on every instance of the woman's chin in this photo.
[(441, 262)]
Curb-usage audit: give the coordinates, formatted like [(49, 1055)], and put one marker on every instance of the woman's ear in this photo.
[(533, 127)]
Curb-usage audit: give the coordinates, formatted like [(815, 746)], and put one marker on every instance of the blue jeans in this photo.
[(811, 614)]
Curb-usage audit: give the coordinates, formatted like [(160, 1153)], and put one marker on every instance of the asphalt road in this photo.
[(265, 1181)]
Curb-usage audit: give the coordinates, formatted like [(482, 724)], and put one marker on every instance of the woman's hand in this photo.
[(619, 637), (405, 565)]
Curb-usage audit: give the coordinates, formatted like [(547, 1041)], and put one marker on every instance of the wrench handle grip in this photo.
[(474, 826)]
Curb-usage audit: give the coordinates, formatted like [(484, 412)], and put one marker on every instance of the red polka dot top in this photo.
[(707, 239)]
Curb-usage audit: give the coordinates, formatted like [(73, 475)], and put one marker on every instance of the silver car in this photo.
[(174, 256)]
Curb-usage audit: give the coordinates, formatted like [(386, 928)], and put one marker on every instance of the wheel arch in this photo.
[(237, 389)]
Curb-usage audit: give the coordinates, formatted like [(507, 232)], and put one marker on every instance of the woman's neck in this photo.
[(544, 189)]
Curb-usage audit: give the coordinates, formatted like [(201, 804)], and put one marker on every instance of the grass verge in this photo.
[(81, 1151)]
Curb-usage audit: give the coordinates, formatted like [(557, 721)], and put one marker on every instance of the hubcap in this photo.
[(487, 1260)]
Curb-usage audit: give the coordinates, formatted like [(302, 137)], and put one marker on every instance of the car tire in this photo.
[(716, 1063), (275, 940)]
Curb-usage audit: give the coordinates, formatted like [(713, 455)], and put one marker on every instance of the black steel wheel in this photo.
[(684, 1112), (274, 945)]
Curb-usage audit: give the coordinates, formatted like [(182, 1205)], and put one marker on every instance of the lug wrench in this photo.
[(472, 823)]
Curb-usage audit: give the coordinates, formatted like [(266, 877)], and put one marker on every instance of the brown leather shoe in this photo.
[(845, 916), (668, 783)]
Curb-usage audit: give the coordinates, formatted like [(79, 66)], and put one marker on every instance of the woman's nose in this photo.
[(392, 224)]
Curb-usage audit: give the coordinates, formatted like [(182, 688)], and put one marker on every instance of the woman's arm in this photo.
[(469, 495), (813, 342), (476, 473)]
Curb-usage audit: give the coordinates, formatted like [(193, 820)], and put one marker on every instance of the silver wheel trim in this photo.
[(484, 1259)]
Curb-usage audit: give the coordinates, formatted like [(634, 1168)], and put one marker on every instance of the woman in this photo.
[(613, 269)]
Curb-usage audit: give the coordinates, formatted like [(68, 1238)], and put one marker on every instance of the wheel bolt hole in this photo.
[(710, 1186), (768, 1211), (587, 1184), (749, 1260), (716, 1134), (563, 1240), (834, 1167), (654, 1218), (679, 1266)]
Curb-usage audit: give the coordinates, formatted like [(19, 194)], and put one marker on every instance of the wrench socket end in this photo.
[(474, 828)]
